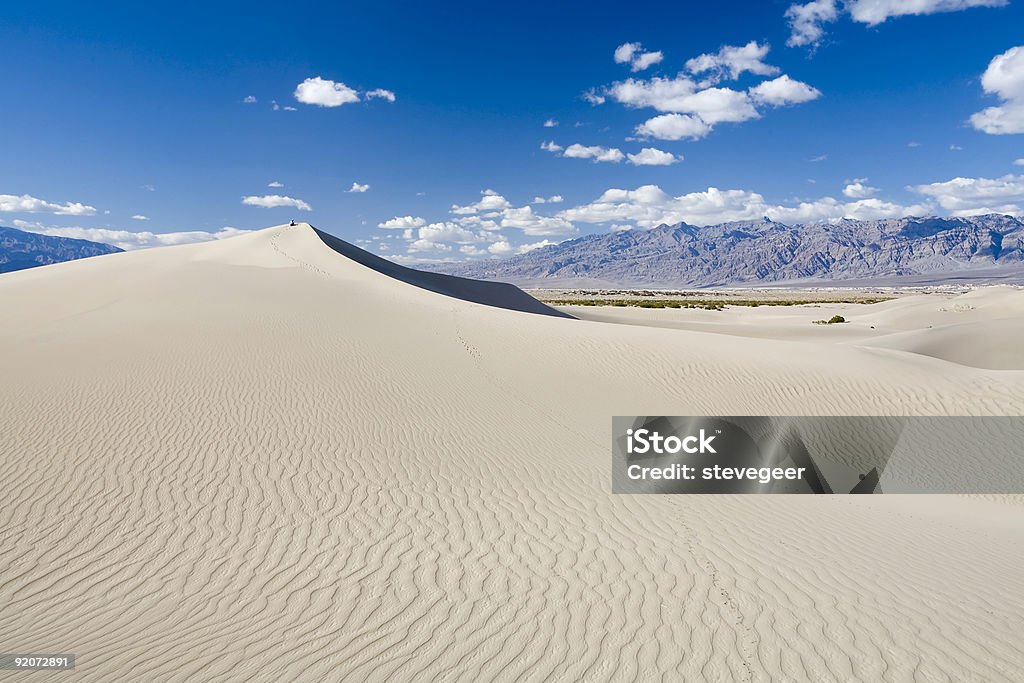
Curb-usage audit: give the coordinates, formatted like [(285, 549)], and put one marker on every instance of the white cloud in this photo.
[(874, 12), (595, 152), (249, 99), (523, 248), (489, 201), (139, 217), (129, 240), (10, 203), (682, 96), (325, 93), (634, 55), (1018, 162), (550, 146), (782, 91), (501, 248), (448, 231), (272, 201), (427, 245), (274, 183), (967, 196), (858, 189), (550, 123), (731, 61), (380, 93), (553, 199), (402, 223), (805, 21), (649, 206), (523, 218), (674, 127), (819, 158), (1004, 78), (504, 248), (356, 187), (593, 97), (649, 156)]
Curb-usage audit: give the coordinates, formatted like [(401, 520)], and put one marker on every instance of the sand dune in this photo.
[(274, 458), (981, 328)]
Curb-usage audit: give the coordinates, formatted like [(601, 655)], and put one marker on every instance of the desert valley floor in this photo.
[(262, 459)]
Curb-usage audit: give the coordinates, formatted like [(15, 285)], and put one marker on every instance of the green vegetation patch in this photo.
[(707, 304)]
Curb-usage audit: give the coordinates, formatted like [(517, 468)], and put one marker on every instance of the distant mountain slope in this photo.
[(766, 251), (20, 249)]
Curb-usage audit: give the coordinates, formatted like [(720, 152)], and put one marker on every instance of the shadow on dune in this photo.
[(497, 294)]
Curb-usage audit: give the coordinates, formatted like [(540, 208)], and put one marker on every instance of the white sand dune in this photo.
[(982, 328), (260, 459)]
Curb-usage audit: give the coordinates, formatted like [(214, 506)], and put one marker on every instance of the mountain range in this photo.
[(749, 252), (20, 249)]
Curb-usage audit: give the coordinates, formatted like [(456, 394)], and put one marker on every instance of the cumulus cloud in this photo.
[(523, 218), (402, 223), (731, 61), (523, 248), (970, 196), (24, 203), (1003, 78), (504, 248), (691, 108), (449, 231), (681, 95), (858, 189), (783, 91), (129, 240), (325, 93), (806, 21), (595, 152), (649, 206), (550, 123), (550, 146), (649, 156), (674, 127), (274, 183), (380, 93), (140, 217), (489, 201), (501, 248), (1018, 162), (271, 201), (249, 99), (356, 187), (874, 12), (477, 229), (634, 55)]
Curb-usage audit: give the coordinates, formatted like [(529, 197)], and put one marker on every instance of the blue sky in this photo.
[(805, 111)]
